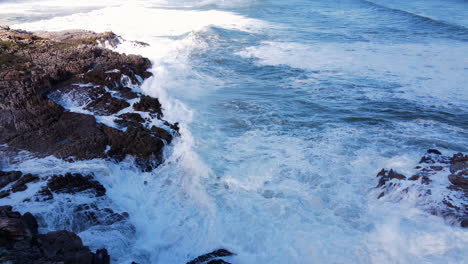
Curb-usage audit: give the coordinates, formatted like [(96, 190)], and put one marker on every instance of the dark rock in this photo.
[(7, 177), (127, 93), (218, 261), (162, 133), (387, 176), (464, 222), (88, 215), (30, 221), (138, 142), (210, 256), (33, 122), (20, 185), (107, 105), (434, 151), (149, 104), (460, 179), (458, 162), (14, 227), (64, 246), (454, 205), (101, 257), (20, 243), (395, 175), (130, 119), (74, 183)]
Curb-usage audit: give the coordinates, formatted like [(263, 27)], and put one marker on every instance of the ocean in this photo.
[(287, 111)]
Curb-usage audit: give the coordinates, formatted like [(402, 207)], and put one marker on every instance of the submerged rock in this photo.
[(453, 205)]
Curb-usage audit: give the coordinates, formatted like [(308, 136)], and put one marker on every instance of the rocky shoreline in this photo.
[(64, 94), (58, 91)]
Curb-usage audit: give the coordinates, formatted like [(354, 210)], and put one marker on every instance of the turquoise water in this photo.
[(288, 109)]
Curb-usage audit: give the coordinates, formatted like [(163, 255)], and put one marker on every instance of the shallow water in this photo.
[(288, 109)]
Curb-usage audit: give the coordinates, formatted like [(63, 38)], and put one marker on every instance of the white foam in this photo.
[(268, 197), (435, 72)]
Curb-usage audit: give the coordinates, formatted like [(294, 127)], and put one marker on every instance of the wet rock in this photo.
[(107, 105), (218, 261), (130, 119), (7, 177), (458, 162), (19, 181), (88, 215), (138, 142), (434, 151), (74, 183), (162, 133), (454, 205), (460, 179), (14, 227), (101, 257), (20, 243), (211, 256), (126, 93), (63, 65), (20, 185), (386, 176), (149, 104)]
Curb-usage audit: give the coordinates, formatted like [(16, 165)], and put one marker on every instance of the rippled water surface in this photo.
[(288, 109)]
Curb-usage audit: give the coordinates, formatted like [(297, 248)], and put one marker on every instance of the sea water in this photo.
[(287, 110)]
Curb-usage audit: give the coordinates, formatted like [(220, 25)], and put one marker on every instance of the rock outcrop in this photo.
[(21, 243), (17, 180), (451, 203), (214, 257), (64, 94), (42, 74)]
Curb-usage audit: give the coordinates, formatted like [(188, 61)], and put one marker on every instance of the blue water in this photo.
[(286, 119)]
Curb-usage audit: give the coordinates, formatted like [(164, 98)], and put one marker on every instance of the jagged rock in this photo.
[(20, 243), (20, 185), (433, 163), (217, 261), (14, 226), (74, 183), (460, 179), (149, 104), (162, 133), (126, 93), (210, 256), (39, 70), (18, 179), (136, 141), (86, 215), (107, 105), (458, 162), (7, 177), (130, 119)]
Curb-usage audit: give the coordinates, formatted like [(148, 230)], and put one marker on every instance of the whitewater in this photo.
[(287, 111)]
